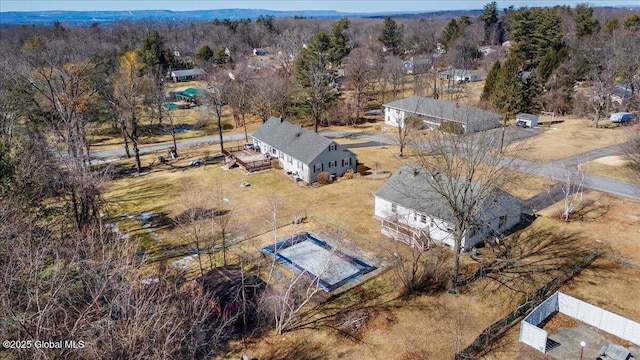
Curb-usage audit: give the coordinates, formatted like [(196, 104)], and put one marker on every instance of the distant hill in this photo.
[(102, 17)]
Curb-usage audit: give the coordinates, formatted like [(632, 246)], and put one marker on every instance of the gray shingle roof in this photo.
[(300, 143), (413, 192), (189, 72), (526, 116), (447, 110)]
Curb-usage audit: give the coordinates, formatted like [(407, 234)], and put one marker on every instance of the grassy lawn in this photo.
[(570, 137), (614, 167), (396, 327)]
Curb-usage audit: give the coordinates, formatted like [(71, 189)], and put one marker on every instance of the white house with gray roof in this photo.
[(410, 210), (302, 152), (436, 112)]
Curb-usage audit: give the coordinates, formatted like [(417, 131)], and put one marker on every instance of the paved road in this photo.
[(555, 170), (145, 149)]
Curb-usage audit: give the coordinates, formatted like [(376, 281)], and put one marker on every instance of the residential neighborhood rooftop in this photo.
[(303, 144), (423, 106), (408, 188)]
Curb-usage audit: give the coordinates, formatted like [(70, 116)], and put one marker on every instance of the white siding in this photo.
[(435, 228), (393, 116), (441, 231)]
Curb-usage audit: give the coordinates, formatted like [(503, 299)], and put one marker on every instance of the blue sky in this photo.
[(344, 5)]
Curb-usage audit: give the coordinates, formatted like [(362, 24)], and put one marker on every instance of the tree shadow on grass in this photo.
[(592, 209), (529, 257), (303, 350)]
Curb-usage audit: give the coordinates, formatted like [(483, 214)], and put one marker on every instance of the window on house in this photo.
[(333, 147), (423, 218), (273, 150), (281, 155), (394, 208), (317, 168), (333, 163), (346, 162), (502, 221), (290, 159)]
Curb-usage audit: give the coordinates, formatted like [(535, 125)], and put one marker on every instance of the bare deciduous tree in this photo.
[(465, 171), (359, 77), (571, 182)]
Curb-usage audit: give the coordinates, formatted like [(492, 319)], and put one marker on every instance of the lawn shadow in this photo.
[(528, 257), (303, 350)]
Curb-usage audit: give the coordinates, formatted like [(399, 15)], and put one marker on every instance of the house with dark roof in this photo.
[(302, 152), (187, 75), (417, 65), (412, 211), (437, 112), (624, 91)]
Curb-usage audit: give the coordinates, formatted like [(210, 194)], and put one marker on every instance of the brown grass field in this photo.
[(614, 167), (429, 326), (569, 137)]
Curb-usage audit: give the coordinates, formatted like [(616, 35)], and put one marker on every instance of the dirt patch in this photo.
[(557, 321)]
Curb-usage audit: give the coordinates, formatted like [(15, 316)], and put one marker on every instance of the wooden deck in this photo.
[(248, 159)]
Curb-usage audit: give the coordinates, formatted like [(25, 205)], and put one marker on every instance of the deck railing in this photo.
[(406, 234)]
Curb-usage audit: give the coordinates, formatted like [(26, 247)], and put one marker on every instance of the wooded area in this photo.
[(67, 274)]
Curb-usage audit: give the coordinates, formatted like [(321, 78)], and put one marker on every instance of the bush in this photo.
[(348, 174), (324, 178), (452, 127), (361, 169)]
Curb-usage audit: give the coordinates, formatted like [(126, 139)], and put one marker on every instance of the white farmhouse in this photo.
[(436, 112), (301, 152), (410, 210)]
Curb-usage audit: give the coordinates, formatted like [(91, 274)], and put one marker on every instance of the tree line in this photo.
[(67, 274)]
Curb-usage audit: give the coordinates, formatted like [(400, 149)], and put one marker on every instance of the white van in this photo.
[(621, 117)]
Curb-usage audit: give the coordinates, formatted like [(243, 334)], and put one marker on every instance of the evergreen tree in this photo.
[(586, 24), (454, 30), (339, 41), (204, 53), (491, 81), (549, 62), (507, 95), (154, 55), (391, 36), (535, 32), (632, 23), (490, 20), (612, 25), (311, 74), (221, 57)]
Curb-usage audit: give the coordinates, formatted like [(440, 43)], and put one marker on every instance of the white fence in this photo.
[(614, 324)]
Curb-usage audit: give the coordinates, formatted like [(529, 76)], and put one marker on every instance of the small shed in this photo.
[(526, 120)]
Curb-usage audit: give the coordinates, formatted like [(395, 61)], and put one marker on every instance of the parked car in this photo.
[(621, 117)]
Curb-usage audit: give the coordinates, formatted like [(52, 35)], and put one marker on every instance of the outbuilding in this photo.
[(621, 117), (526, 120)]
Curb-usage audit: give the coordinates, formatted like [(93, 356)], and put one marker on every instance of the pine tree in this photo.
[(391, 36), (490, 19), (339, 41), (491, 81), (586, 24)]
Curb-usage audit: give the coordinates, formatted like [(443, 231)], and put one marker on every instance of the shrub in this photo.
[(324, 178), (361, 169), (348, 174), (452, 127)]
